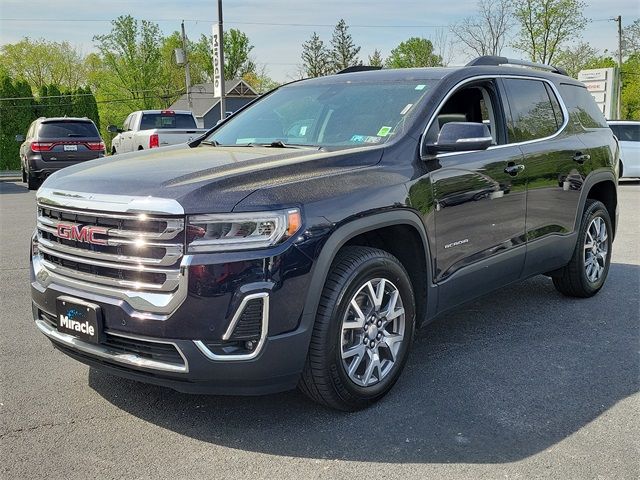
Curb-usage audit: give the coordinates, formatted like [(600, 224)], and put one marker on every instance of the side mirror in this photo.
[(114, 129), (462, 137), (19, 138)]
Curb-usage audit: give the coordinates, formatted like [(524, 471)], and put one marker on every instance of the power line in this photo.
[(193, 20)]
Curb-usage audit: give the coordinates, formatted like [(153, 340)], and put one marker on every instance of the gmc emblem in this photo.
[(85, 234)]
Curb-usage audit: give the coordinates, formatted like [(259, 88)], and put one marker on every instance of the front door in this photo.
[(480, 201)]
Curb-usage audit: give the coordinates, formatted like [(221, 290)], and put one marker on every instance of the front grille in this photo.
[(130, 251), (117, 344), (249, 326)]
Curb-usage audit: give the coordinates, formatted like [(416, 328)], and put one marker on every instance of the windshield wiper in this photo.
[(280, 144)]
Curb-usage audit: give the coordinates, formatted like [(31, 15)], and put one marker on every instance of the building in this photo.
[(206, 107)]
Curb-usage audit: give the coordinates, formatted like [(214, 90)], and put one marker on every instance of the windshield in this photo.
[(167, 120), (338, 114), (626, 132)]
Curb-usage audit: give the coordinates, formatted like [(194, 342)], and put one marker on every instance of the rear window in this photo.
[(532, 110), (582, 107), (64, 129), (167, 120), (626, 133)]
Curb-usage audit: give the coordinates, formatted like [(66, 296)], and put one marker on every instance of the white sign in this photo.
[(217, 68), (596, 86), (593, 74), (603, 85)]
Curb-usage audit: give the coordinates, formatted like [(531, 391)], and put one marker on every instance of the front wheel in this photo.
[(363, 330), (587, 271)]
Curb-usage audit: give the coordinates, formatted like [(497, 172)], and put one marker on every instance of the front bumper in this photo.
[(207, 312)]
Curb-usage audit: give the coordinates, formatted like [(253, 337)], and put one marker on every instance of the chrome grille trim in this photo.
[(174, 225), (172, 255), (139, 259)]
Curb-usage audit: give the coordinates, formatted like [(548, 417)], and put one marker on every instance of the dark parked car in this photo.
[(304, 239), (55, 143)]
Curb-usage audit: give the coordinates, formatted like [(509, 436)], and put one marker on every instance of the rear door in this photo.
[(68, 141), (126, 137)]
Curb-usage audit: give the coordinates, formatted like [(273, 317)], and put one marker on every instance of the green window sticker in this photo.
[(384, 131)]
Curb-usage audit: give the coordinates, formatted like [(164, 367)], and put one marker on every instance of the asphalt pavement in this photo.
[(522, 383)]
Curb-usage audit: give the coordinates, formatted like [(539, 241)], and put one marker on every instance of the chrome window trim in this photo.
[(104, 352), (232, 325), (565, 112), (108, 202)]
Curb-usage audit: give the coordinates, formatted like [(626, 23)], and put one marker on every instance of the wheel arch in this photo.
[(601, 186), (381, 230)]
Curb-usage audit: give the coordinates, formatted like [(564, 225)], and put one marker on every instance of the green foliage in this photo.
[(545, 25), (42, 62), (415, 52), (375, 60), (15, 117), (237, 59), (344, 52), (315, 57)]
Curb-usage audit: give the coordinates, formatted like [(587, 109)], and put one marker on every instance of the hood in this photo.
[(206, 179)]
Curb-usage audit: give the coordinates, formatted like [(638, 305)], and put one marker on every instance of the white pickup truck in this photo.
[(154, 128)]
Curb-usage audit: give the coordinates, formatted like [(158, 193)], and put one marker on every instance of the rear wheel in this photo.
[(24, 175), (363, 330), (587, 271), (32, 182)]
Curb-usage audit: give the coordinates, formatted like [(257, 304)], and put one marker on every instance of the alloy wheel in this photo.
[(373, 330), (596, 249)]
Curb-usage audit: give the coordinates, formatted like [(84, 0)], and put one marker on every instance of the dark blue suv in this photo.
[(303, 240)]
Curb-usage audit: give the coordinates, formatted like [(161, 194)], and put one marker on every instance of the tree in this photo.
[(16, 113), (415, 52), (631, 39), (486, 32), (344, 52), (376, 60), (545, 25), (577, 57), (41, 62), (131, 56), (237, 58), (315, 57)]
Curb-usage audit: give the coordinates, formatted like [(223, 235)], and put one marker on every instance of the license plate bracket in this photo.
[(80, 319)]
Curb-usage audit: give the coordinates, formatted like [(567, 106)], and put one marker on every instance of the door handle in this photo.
[(513, 169), (581, 157)]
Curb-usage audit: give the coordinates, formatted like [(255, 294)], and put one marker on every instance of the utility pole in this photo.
[(187, 72), (221, 59), (619, 20)]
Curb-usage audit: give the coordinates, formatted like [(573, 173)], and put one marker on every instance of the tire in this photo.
[(621, 172), (24, 175), (577, 279), (113, 151), (325, 378), (32, 182)]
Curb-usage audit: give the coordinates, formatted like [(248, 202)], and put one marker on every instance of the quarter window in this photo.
[(532, 111)]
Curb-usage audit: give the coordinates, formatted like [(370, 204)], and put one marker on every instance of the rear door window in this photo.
[(582, 107), (67, 129), (532, 111), (167, 120)]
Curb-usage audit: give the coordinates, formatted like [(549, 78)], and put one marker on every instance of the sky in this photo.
[(277, 28)]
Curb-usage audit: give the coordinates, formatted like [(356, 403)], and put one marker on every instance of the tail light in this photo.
[(41, 146), (96, 145), (154, 141), (167, 112)]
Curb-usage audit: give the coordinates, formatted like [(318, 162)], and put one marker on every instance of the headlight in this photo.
[(240, 231)]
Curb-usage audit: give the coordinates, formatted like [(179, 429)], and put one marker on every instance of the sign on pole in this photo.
[(602, 84), (217, 67)]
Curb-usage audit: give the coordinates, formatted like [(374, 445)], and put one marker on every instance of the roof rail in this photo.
[(496, 61), (358, 68)]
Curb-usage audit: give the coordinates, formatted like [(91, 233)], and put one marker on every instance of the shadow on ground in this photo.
[(500, 379)]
